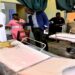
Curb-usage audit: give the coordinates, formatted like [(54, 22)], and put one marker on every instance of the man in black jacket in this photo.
[(56, 23)]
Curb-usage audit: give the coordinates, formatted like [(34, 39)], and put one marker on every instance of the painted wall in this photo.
[(70, 16), (21, 11), (13, 1), (0, 2), (7, 8)]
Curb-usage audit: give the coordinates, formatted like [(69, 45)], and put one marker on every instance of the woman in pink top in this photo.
[(16, 25)]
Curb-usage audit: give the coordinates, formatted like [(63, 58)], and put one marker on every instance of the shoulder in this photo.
[(43, 13), (62, 18), (11, 21), (54, 18)]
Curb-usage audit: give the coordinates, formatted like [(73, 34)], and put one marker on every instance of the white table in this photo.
[(64, 36), (53, 66), (28, 61), (21, 56)]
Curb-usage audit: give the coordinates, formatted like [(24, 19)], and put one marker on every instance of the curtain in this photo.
[(64, 5), (37, 5)]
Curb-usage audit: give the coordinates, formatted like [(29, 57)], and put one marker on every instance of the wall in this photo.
[(21, 11), (13, 1), (51, 9), (6, 10), (70, 16)]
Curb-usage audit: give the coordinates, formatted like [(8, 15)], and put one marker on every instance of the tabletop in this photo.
[(64, 36)]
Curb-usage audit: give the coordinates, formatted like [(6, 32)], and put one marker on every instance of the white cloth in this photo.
[(2, 29), (34, 19)]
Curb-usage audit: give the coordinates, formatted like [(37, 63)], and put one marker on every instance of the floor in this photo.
[(59, 48)]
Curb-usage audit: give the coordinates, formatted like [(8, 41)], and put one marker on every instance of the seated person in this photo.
[(16, 25), (56, 23)]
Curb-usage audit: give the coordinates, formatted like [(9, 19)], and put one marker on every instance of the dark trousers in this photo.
[(58, 29), (54, 29), (39, 36)]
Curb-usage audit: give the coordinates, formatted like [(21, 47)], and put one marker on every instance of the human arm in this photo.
[(60, 22), (8, 26), (52, 20), (1, 25), (63, 21), (45, 19)]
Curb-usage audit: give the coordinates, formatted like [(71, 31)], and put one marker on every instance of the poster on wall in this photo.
[(11, 11)]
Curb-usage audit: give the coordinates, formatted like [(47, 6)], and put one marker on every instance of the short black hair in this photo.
[(58, 13), (15, 14)]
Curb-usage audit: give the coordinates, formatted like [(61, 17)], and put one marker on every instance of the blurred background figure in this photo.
[(56, 24)]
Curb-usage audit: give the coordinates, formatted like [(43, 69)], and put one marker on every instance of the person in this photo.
[(38, 22), (3, 36), (71, 27), (16, 25), (56, 23)]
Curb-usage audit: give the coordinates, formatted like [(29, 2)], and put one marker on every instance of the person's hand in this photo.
[(20, 22), (1, 25), (46, 31), (24, 39), (45, 26)]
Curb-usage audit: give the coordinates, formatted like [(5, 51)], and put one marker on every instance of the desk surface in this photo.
[(21, 56), (64, 36), (53, 66)]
